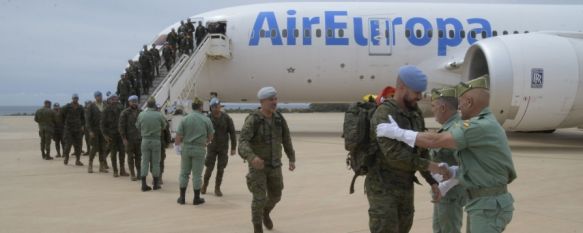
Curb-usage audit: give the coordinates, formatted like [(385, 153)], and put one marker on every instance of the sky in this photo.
[(50, 49)]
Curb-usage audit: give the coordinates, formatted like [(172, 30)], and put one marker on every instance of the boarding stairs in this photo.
[(178, 85)]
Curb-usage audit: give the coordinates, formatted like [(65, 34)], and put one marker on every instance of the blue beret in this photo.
[(214, 102), (76, 96), (266, 92), (97, 93), (133, 98), (413, 78)]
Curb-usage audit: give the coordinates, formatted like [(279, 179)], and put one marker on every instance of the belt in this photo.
[(485, 192)]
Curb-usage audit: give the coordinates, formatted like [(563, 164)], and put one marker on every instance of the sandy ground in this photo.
[(46, 196)]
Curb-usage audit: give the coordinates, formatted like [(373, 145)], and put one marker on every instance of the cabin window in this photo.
[(307, 33), (473, 34), (262, 33), (463, 34), (451, 33), (505, 32), (418, 33), (341, 33), (430, 33), (407, 33), (387, 33), (526, 31), (494, 33), (484, 34), (296, 33), (284, 33), (440, 34), (515, 32), (318, 33), (329, 33), (273, 33)]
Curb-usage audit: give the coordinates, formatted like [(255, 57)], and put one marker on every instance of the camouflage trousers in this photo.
[(150, 157), (266, 185), (218, 156), (98, 145), (73, 139), (117, 153), (191, 161), (45, 142), (447, 214), (134, 156), (59, 142), (390, 207)]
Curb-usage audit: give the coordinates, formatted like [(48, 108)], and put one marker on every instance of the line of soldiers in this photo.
[(139, 75), (182, 42)]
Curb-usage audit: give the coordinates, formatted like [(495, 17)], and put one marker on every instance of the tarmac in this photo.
[(47, 196)]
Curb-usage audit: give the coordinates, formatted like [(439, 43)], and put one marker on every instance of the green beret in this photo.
[(480, 82), (436, 93)]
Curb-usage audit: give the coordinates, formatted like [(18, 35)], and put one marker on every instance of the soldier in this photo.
[(93, 129), (195, 132), (150, 123), (124, 88), (190, 29), (389, 182), (486, 166), (145, 68), (74, 118), (447, 213), (59, 128), (172, 39), (182, 27), (165, 141), (200, 33), (85, 135), (46, 118), (131, 136), (168, 57), (109, 127), (155, 53), (262, 136), (218, 148)]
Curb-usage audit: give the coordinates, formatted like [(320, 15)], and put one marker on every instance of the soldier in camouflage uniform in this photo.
[(389, 182), (168, 56), (194, 133), (165, 140), (155, 54), (85, 134), (447, 213), (109, 127), (264, 133), (124, 89), (46, 118), (59, 128), (74, 118), (218, 148), (486, 166), (93, 129), (130, 136)]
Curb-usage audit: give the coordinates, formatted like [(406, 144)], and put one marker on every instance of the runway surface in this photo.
[(47, 196)]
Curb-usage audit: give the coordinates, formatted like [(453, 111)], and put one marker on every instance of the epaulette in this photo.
[(466, 124)]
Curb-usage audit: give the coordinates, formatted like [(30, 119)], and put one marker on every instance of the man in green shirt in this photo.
[(195, 132), (46, 119), (448, 211), (486, 165), (263, 135), (150, 123)]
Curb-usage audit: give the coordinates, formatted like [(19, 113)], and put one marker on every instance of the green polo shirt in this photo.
[(485, 159), (443, 154), (195, 128), (150, 123)]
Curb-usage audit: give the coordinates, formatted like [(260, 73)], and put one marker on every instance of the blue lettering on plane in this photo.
[(266, 24)]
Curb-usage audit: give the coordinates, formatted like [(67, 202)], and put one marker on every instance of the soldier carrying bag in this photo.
[(356, 131)]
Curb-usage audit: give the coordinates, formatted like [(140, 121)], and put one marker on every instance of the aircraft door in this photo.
[(379, 32)]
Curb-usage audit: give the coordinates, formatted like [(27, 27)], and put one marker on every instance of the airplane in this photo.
[(337, 52)]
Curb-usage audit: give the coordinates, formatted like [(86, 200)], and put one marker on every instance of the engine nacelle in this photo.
[(536, 79)]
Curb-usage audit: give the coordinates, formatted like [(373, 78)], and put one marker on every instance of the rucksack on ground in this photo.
[(356, 131)]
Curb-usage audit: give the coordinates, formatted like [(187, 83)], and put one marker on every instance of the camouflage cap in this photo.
[(56, 105), (480, 82), (437, 93), (197, 101)]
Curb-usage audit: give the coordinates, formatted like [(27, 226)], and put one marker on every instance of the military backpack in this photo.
[(356, 131)]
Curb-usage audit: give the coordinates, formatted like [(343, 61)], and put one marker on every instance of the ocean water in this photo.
[(10, 110)]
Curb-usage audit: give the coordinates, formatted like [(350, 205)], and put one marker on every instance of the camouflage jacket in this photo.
[(124, 88), (395, 156), (93, 118), (59, 124), (264, 137), (73, 117), (127, 125), (110, 120), (45, 117), (224, 130)]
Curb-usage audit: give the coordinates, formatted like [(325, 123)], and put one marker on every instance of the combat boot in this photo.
[(156, 183), (218, 181), (197, 199), (182, 199), (218, 192), (66, 160), (49, 157), (267, 220), (102, 168), (115, 171), (257, 228), (78, 162), (207, 176), (160, 179), (145, 186), (90, 166), (122, 172)]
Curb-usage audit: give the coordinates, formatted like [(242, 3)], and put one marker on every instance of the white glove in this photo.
[(392, 130), (178, 149), (446, 185)]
